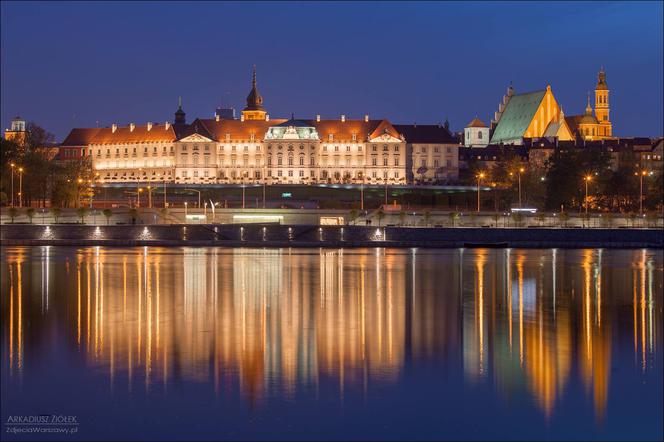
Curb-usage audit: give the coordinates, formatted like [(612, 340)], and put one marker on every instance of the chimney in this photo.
[(167, 125), (366, 118), (317, 118), (149, 126), (242, 117), (216, 117), (343, 118), (131, 127), (114, 127), (267, 117)]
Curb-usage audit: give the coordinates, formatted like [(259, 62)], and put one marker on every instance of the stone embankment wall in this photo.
[(274, 235)]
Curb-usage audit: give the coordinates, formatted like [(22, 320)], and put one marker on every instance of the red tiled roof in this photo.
[(105, 135)]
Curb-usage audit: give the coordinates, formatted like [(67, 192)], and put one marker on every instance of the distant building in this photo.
[(18, 132), (595, 126), (227, 113), (476, 134), (432, 153)]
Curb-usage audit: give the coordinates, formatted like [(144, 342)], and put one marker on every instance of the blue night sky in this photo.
[(69, 65)]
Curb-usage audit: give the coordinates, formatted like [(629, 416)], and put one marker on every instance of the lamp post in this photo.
[(521, 170), (150, 188), (78, 192), (13, 166), (587, 179), (641, 175), (264, 185), (362, 193), (185, 209), (20, 187), (480, 176), (199, 196), (138, 196)]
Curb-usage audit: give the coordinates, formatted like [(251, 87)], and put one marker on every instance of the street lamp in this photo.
[(521, 170), (78, 192), (480, 176), (138, 196), (185, 209), (587, 179), (199, 196), (150, 196), (13, 166), (641, 175), (20, 187)]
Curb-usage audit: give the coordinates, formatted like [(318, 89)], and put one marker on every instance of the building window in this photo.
[(423, 149), (301, 173), (374, 161), (384, 161), (184, 174), (278, 172), (479, 135), (279, 160), (290, 161), (396, 161), (302, 161), (290, 173), (206, 174)]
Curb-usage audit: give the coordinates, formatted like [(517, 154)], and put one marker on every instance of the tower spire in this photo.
[(589, 110), (254, 109), (253, 78)]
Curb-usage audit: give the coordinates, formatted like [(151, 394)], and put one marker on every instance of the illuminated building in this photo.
[(257, 149), (538, 115), (18, 132)]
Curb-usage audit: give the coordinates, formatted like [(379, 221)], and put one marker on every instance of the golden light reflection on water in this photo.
[(278, 322)]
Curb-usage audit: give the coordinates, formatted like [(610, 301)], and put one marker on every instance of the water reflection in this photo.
[(272, 323)]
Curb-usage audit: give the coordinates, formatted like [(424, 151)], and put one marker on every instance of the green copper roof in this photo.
[(517, 116)]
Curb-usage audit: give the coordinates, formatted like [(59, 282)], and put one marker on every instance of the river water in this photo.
[(213, 343)]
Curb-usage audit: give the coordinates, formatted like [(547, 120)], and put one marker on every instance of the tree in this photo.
[(56, 211), (380, 214), (30, 213), (108, 213), (82, 212), (453, 216), (13, 213)]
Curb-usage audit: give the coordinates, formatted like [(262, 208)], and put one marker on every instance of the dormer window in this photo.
[(330, 137)]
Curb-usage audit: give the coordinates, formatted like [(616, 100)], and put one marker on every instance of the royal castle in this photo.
[(259, 149)]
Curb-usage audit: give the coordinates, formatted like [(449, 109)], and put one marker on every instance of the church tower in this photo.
[(254, 109), (602, 105)]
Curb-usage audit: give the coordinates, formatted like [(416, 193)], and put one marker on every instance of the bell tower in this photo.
[(602, 105)]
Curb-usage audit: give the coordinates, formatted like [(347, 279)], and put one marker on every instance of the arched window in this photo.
[(479, 135)]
